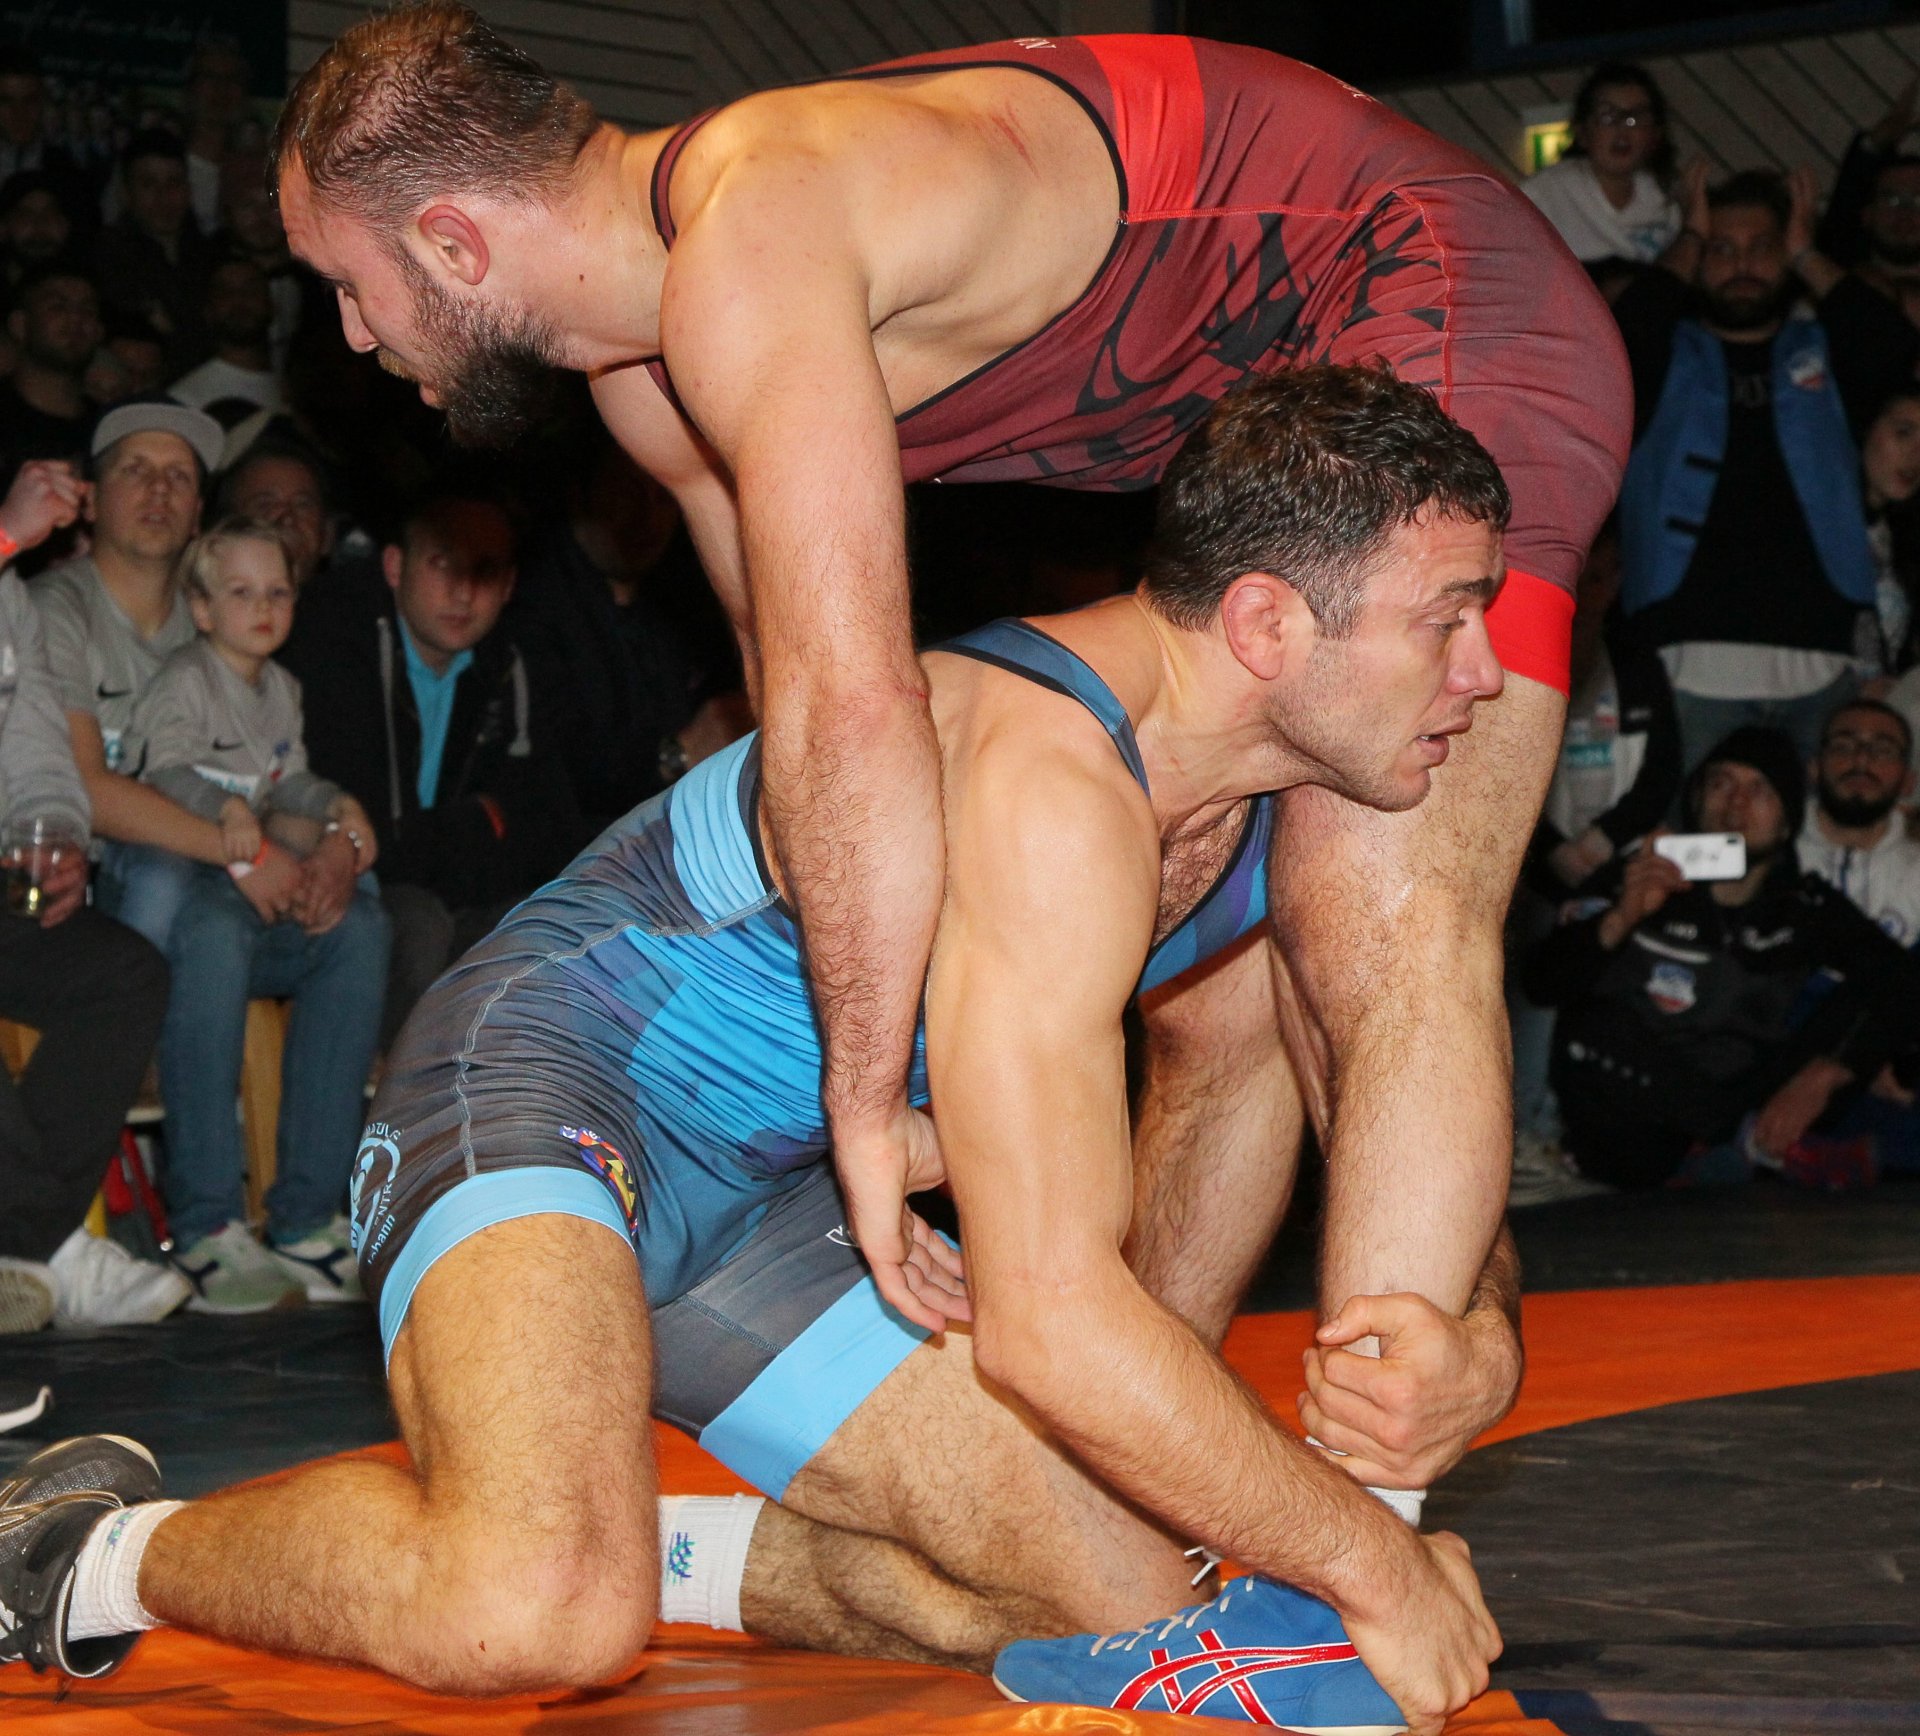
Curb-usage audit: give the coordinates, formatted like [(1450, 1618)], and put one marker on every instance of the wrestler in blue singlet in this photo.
[(636, 1044)]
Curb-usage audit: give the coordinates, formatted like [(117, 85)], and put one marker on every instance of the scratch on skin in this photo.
[(1001, 124)]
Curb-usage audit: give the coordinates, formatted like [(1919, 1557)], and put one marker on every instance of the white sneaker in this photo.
[(233, 1274), (323, 1262), (1543, 1175), (96, 1282), (26, 1295)]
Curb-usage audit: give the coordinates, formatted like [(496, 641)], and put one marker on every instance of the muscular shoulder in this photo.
[(1044, 820)]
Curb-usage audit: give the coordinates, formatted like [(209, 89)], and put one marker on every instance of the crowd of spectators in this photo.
[(1745, 665), (306, 702), (309, 704)]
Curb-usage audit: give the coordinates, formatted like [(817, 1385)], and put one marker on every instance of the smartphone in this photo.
[(1706, 855)]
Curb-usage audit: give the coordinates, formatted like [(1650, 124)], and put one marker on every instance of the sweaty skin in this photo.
[(845, 252)]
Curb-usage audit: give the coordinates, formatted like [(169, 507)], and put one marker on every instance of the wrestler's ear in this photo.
[(1266, 622), (455, 243)]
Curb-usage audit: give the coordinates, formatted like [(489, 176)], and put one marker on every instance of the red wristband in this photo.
[(260, 855), (495, 818), (8, 547)]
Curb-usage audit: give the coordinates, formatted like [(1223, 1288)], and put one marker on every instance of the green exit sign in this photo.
[(1546, 143)]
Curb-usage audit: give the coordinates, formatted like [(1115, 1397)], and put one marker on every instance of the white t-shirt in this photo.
[(215, 380), (1598, 765), (1713, 669), (1570, 197)]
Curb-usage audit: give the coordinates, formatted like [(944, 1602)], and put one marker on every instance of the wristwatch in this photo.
[(672, 760), (359, 843)]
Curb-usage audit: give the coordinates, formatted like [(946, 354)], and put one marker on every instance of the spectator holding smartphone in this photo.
[(1687, 1008)]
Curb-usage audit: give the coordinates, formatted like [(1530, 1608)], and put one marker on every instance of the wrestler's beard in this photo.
[(1899, 254), (1851, 811), (495, 375)]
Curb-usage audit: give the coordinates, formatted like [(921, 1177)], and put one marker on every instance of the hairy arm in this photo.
[(1049, 914), (1216, 1137), (767, 327)]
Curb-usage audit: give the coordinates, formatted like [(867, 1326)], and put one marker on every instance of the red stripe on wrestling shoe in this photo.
[(1531, 626), (1159, 118)]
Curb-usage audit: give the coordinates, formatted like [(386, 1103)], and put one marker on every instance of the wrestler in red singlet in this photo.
[(1270, 214)]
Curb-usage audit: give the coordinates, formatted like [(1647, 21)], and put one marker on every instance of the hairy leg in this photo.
[(938, 1524), (1216, 1138), (518, 1551), (1390, 927)]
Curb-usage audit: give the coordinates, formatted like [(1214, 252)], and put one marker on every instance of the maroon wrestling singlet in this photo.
[(1271, 215)]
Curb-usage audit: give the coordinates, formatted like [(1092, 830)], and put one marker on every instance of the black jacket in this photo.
[(1702, 1011), (618, 680), (503, 819)]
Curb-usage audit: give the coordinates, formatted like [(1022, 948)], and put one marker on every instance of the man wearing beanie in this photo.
[(1713, 1024)]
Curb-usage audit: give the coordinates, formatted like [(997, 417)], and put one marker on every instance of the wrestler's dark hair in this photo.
[(1305, 475), (425, 101)]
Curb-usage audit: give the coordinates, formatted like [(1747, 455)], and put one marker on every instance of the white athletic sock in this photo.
[(106, 1580), (703, 1556), (1408, 1503)]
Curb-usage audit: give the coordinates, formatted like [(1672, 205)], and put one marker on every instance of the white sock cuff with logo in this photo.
[(703, 1556), (106, 1578)]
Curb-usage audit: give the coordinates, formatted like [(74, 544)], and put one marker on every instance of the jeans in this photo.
[(96, 993), (222, 956), (143, 886), (1706, 723)]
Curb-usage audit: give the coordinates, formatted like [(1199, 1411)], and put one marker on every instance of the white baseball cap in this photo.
[(165, 416)]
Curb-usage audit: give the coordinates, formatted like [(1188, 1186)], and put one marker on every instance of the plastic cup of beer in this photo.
[(28, 851)]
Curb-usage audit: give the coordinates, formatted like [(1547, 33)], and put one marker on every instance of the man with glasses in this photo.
[(1854, 837), (280, 482)]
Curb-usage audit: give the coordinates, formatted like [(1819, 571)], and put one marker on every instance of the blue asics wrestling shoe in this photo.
[(1260, 1653)]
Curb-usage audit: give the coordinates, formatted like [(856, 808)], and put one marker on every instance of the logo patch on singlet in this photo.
[(374, 1167), (612, 1168)]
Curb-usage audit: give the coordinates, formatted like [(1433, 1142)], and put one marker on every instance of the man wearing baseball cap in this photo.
[(111, 618)]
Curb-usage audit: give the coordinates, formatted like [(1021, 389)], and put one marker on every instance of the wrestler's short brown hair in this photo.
[(423, 101), (1305, 474)]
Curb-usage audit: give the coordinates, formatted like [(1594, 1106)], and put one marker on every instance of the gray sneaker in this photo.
[(232, 1274), (26, 1295), (323, 1263), (1544, 1175), (47, 1509)]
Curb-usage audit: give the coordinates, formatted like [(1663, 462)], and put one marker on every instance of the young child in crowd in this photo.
[(221, 720), (222, 726)]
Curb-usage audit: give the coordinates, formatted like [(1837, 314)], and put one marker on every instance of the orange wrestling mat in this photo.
[(1590, 1354)]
